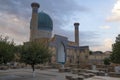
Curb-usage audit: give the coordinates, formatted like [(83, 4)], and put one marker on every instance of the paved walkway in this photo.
[(49, 74)]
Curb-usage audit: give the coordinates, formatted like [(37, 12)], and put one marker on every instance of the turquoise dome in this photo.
[(44, 22)]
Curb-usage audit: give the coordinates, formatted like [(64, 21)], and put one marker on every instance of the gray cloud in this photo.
[(61, 12), (90, 38)]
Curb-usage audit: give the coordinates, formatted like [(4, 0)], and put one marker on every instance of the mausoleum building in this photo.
[(64, 51)]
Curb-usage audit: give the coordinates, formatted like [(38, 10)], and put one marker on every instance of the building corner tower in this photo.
[(34, 21), (76, 25)]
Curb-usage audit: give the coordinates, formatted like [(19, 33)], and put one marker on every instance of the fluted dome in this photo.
[(44, 22)]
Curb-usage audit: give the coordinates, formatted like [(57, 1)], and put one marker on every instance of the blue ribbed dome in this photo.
[(44, 22)]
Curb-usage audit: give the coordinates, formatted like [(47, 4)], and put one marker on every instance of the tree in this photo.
[(90, 52), (17, 53), (115, 56), (6, 50), (35, 53), (106, 61)]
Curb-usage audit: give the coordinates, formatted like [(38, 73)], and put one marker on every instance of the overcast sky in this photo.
[(99, 20)]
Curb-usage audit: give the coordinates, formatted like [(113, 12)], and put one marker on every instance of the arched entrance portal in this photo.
[(61, 55)]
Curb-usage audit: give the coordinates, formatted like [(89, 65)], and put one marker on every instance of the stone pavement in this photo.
[(48, 74), (26, 74)]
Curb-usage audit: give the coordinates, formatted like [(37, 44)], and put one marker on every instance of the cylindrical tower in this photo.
[(34, 20), (76, 25)]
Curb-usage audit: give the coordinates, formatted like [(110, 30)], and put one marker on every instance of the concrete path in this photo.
[(48, 74)]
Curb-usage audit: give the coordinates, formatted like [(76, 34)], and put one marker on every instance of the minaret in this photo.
[(76, 25), (34, 21)]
